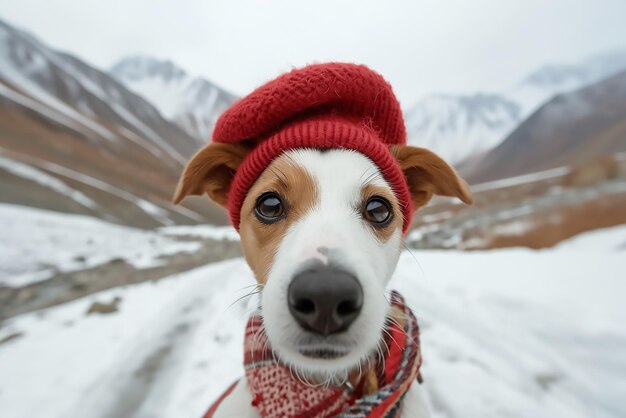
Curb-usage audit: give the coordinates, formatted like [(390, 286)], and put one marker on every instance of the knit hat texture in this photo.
[(333, 105)]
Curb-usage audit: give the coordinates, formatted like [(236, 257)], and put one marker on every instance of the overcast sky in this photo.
[(421, 46)]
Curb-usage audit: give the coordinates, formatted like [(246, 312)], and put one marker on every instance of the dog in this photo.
[(322, 230)]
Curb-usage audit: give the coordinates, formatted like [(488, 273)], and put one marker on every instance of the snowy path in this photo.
[(130, 363), (510, 333)]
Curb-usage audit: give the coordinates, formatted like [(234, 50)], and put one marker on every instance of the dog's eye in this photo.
[(377, 211), (269, 208)]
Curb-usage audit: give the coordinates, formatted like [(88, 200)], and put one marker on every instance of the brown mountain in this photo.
[(74, 139), (568, 130)]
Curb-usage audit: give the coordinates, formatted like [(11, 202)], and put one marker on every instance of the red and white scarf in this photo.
[(376, 393)]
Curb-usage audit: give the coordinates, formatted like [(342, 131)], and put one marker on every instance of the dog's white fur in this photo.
[(332, 232)]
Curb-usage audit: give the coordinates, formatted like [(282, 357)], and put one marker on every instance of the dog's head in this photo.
[(322, 230)]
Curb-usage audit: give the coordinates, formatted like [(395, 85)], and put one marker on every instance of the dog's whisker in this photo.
[(360, 370), (394, 321), (365, 172), (249, 286), (258, 288), (300, 377), (387, 299), (409, 337), (242, 298), (255, 339), (410, 251), (392, 339), (375, 175), (280, 176), (381, 353)]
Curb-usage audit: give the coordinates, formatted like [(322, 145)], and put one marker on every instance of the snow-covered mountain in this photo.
[(459, 127), (551, 80), (191, 102), (74, 139), (568, 130), (81, 97)]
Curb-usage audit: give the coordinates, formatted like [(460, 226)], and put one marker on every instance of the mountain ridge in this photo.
[(193, 103), (568, 130), (459, 132), (68, 129)]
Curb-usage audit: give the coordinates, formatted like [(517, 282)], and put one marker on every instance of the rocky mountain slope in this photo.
[(568, 130), (460, 127), (74, 139)]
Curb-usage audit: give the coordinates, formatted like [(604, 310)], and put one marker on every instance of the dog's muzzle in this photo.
[(325, 300)]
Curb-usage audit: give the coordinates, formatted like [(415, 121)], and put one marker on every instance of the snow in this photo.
[(40, 177), (506, 333), (606, 239), (191, 102), (188, 213), (35, 244), (156, 212), (458, 126), (166, 95), (523, 179), (517, 333), (204, 231), (93, 360)]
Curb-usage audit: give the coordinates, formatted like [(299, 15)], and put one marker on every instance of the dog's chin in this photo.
[(326, 360)]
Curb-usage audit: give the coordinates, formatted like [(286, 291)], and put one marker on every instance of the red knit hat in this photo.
[(332, 105)]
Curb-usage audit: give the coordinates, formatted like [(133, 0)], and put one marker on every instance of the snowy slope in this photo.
[(44, 179), (459, 127), (192, 102), (456, 127), (510, 333), (60, 242), (550, 80)]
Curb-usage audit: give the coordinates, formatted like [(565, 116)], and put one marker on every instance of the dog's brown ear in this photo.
[(429, 174), (211, 171)]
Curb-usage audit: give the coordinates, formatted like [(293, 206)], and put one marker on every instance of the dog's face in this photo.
[(322, 231)]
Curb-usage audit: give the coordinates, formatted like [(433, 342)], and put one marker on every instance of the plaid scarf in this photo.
[(375, 393)]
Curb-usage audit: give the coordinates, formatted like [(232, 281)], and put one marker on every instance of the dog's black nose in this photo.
[(325, 300)]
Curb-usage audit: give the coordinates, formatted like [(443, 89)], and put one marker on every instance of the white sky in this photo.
[(421, 46)]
